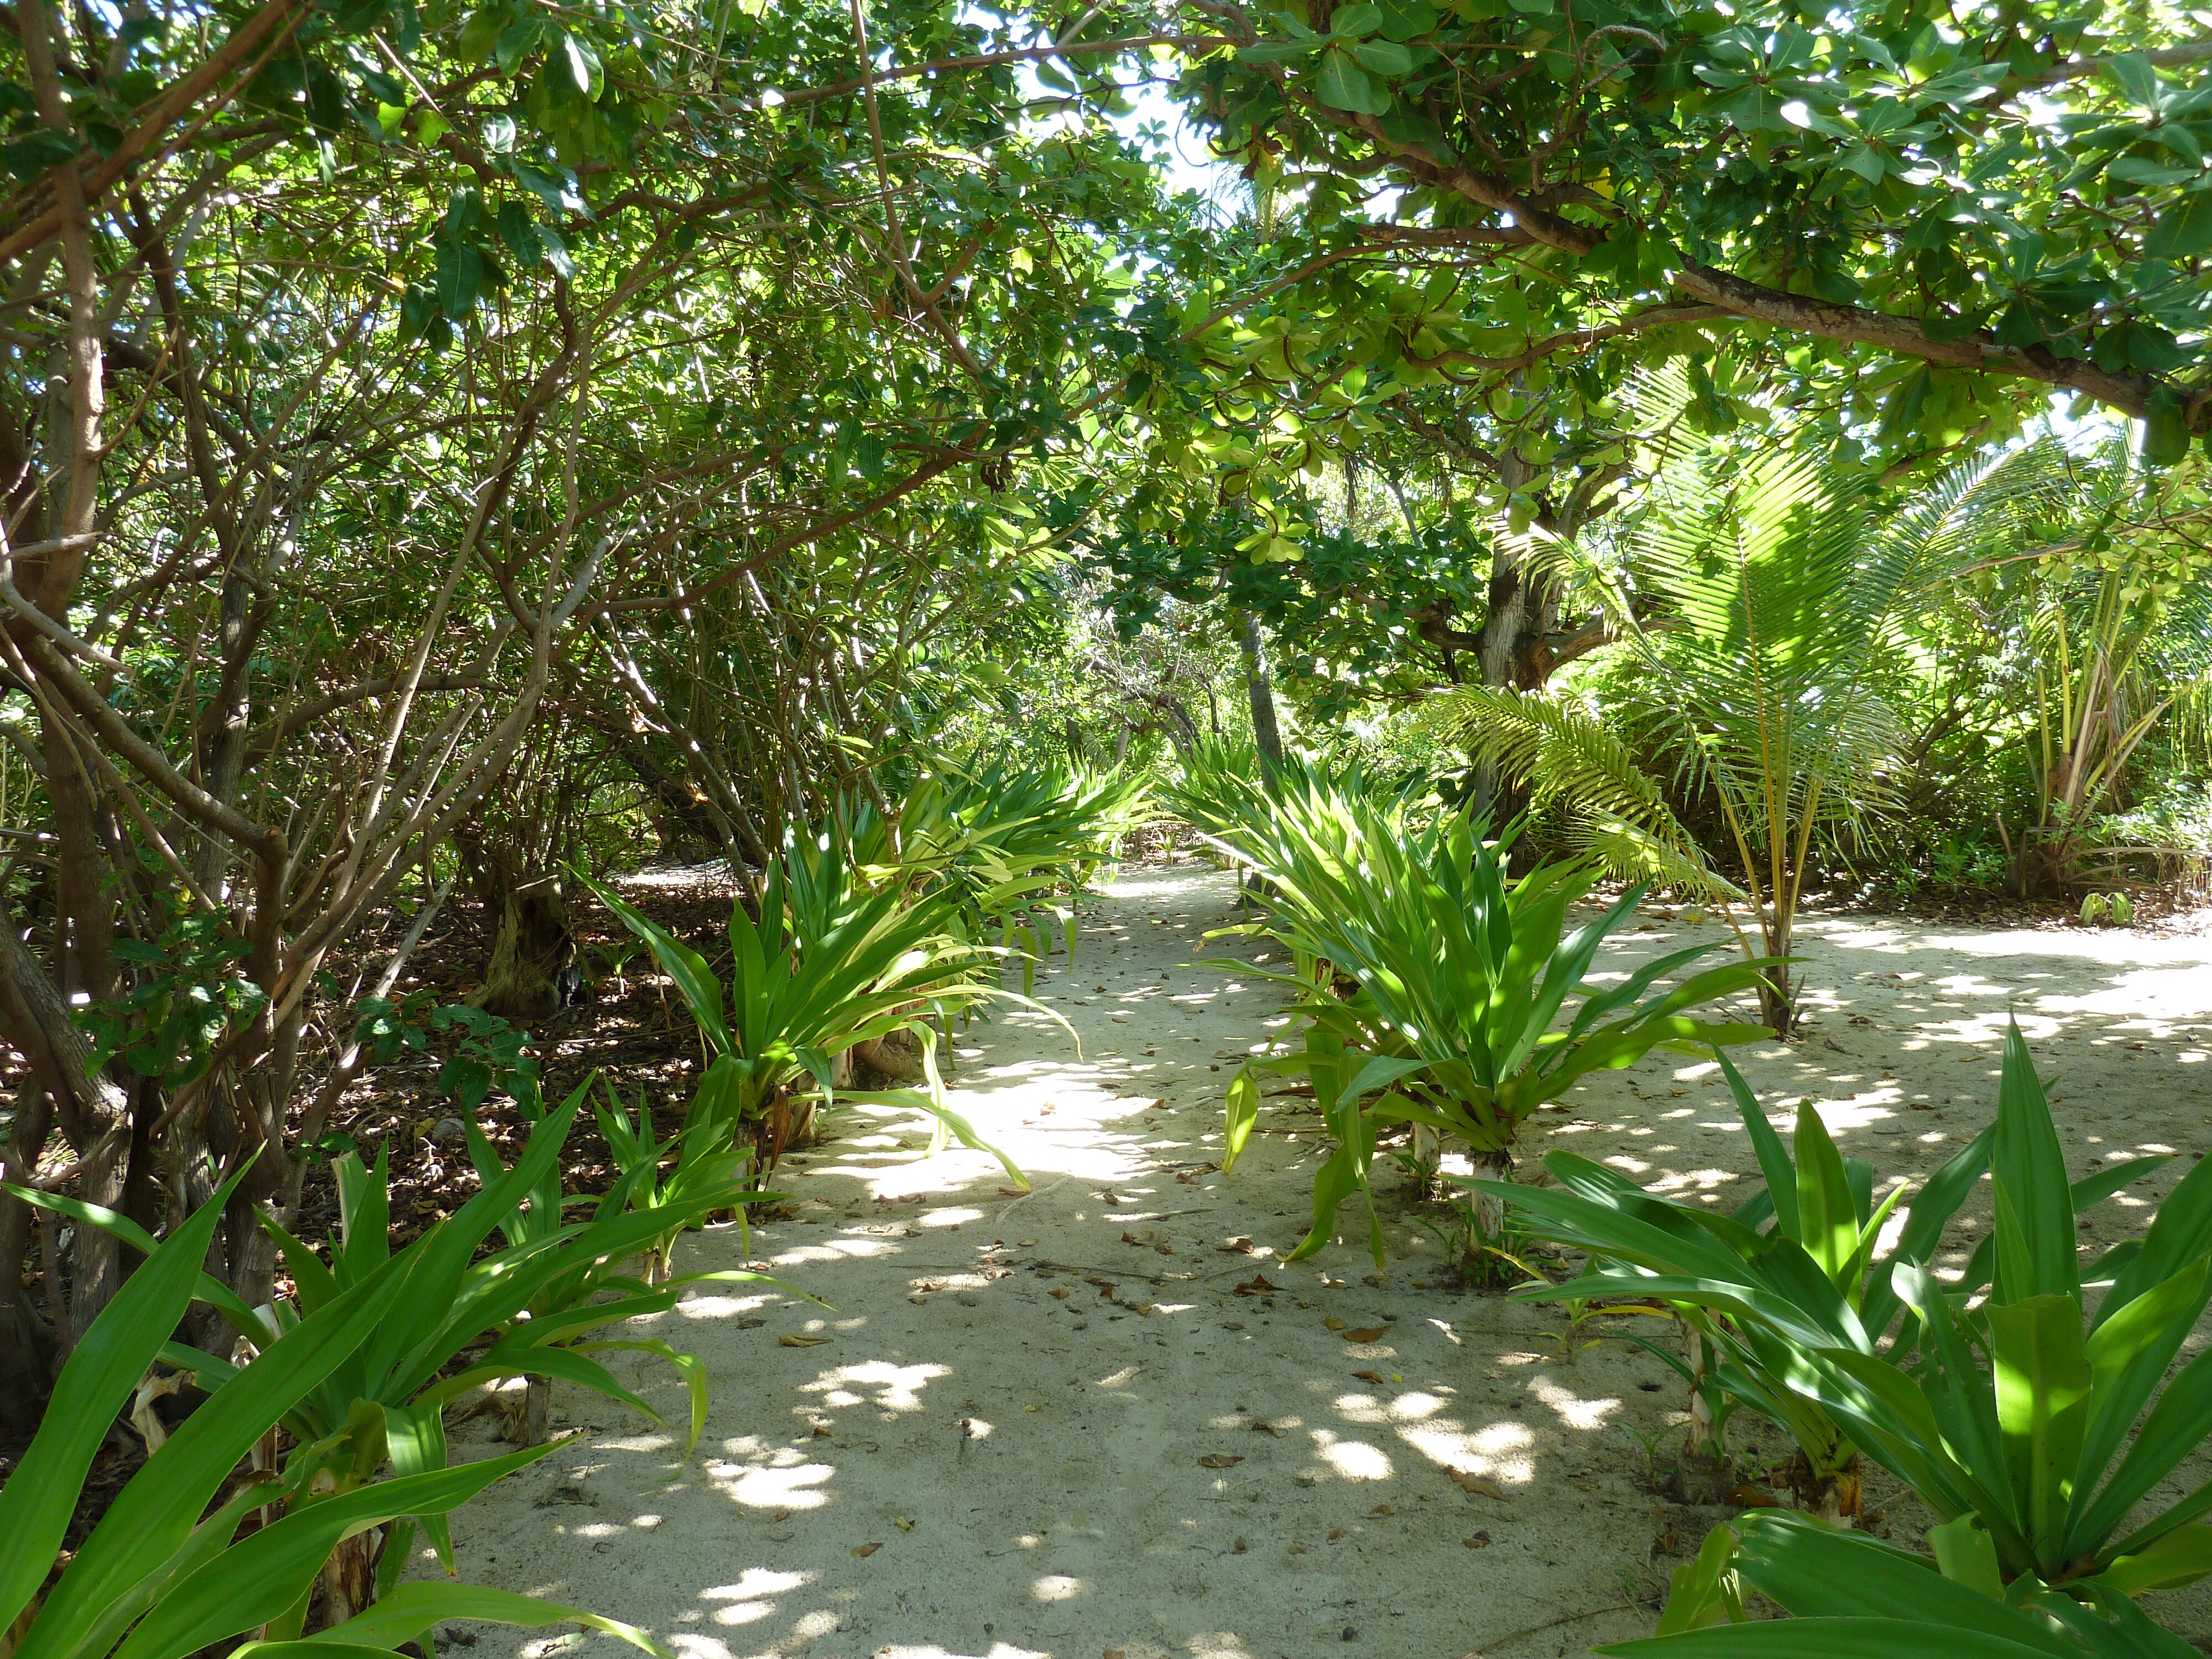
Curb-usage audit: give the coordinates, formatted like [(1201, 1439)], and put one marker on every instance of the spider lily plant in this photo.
[(1807, 1238), (832, 963), (1460, 977), (1855, 1597), (383, 1402), (574, 1302), (164, 1574), (1005, 838), (2043, 1424), (1797, 1266)]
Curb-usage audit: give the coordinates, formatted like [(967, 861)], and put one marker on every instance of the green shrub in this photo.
[(832, 963), (164, 1574), (1459, 977)]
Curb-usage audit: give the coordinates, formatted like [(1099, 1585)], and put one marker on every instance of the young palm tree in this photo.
[(1769, 613)]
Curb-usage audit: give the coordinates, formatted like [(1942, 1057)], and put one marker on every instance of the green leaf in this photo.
[(2030, 1171), (42, 1490), (1344, 85), (1383, 58), (1407, 19), (2184, 229), (410, 1609), (1827, 1218), (582, 59), (2043, 1380), (2132, 72), (1241, 1105)]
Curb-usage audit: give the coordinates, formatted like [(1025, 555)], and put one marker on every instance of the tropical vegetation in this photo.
[(1481, 469)]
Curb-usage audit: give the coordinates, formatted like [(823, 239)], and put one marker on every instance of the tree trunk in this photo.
[(1489, 1210), (28, 1353), (537, 1410), (1265, 732), (531, 941), (348, 1578), (1512, 653)]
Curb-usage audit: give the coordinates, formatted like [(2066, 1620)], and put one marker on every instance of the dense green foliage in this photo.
[(445, 447)]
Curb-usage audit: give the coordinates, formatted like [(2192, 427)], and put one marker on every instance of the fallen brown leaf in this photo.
[(787, 1340), (1218, 1461), (1257, 1285), (1368, 1334), (1481, 1484), (1240, 1245), (1370, 1376), (1382, 1509), (1476, 1542), (864, 1550), (1335, 1533), (1266, 1428), (1131, 1238), (1058, 1291), (1333, 1322)]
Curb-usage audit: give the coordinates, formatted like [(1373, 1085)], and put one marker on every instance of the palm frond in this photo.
[(1632, 854)]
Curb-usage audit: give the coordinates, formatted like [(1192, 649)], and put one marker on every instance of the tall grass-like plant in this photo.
[(1768, 617), (1460, 975), (166, 1572), (833, 961), (2039, 1423), (382, 1404), (1855, 1597), (1007, 840), (2031, 1426), (1798, 1264), (594, 1287)]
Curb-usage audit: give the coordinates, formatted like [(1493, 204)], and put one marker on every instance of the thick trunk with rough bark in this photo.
[(531, 941)]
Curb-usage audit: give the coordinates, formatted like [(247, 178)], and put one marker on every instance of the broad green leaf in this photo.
[(109, 1358), (1344, 85), (1240, 1106), (2043, 1380)]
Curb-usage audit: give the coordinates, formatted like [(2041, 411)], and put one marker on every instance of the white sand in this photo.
[(1022, 1469)]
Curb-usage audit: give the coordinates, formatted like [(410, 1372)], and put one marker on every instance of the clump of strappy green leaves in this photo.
[(832, 961), (2033, 1425), (1016, 844), (1459, 979), (165, 1573)]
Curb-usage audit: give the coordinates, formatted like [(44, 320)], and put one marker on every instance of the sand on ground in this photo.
[(1070, 1423)]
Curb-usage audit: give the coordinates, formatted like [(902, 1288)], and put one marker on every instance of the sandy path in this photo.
[(991, 1455)]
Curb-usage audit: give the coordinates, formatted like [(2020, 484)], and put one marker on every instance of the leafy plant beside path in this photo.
[(175, 1565), (1458, 976)]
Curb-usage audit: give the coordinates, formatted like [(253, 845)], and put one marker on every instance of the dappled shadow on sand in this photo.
[(1106, 1417)]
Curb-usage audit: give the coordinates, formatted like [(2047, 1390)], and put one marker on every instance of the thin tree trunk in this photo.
[(1265, 732)]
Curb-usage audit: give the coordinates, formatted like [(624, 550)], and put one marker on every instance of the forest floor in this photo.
[(1086, 1421)]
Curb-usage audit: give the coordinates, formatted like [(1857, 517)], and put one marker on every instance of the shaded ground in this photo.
[(1073, 1424)]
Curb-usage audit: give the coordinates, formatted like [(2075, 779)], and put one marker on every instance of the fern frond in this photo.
[(1632, 854), (1556, 747)]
